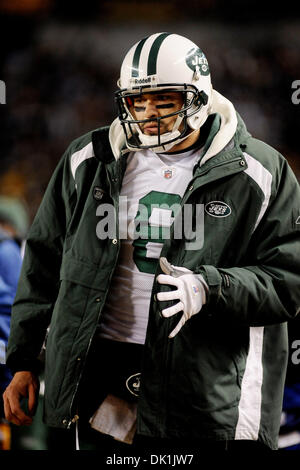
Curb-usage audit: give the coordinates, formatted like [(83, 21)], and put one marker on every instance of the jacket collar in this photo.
[(101, 145)]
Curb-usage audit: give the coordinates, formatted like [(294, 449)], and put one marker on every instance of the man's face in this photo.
[(154, 105)]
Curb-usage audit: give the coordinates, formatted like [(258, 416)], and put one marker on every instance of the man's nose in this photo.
[(150, 109)]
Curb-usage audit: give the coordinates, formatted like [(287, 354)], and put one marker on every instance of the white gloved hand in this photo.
[(191, 292)]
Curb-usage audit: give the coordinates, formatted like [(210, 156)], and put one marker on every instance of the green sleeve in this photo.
[(39, 279)]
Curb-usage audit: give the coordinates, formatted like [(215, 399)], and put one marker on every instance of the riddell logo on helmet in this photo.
[(138, 81), (144, 81)]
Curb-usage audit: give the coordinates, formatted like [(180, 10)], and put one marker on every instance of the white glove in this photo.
[(191, 292)]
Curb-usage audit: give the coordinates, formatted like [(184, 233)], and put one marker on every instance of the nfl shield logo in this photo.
[(168, 173)]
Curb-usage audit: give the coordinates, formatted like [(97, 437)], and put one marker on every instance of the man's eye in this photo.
[(139, 109), (138, 102)]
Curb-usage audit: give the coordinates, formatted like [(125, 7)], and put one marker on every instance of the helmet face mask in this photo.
[(163, 63), (192, 102)]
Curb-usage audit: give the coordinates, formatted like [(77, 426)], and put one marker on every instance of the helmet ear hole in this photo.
[(202, 98)]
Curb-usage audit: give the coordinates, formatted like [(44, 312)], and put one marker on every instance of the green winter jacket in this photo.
[(222, 376)]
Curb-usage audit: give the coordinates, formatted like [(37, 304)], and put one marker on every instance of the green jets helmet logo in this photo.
[(196, 59)]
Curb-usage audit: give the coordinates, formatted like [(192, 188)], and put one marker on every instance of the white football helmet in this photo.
[(160, 62)]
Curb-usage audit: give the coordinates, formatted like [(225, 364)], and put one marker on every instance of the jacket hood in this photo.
[(226, 132)]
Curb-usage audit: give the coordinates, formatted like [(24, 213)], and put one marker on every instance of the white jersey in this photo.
[(153, 186)]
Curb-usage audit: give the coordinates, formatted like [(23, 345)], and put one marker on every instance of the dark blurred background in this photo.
[(60, 61)]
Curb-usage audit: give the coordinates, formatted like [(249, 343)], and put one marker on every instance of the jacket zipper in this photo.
[(76, 416)]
